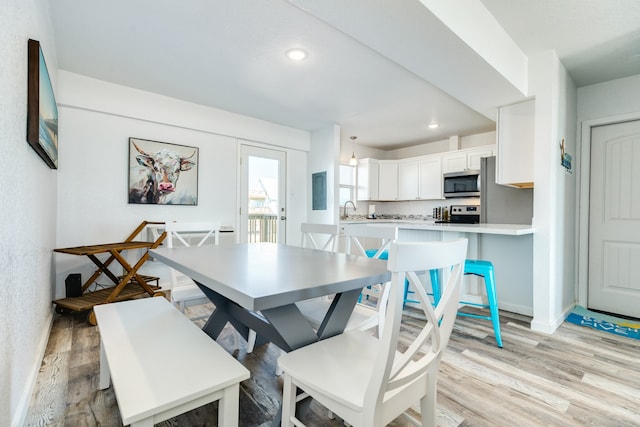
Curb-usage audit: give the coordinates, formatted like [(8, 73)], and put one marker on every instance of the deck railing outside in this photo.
[(263, 228)]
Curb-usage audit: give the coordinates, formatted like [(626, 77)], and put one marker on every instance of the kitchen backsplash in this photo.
[(406, 210), (418, 208)]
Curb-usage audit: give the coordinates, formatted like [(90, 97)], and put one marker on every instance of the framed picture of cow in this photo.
[(161, 173), (42, 111)]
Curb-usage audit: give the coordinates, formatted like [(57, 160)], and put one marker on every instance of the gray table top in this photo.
[(259, 276)]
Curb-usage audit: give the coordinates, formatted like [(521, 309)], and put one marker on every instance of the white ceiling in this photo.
[(381, 69)]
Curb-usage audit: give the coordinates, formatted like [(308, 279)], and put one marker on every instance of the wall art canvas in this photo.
[(161, 173), (42, 111)]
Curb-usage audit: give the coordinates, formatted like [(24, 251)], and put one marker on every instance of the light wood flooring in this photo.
[(575, 377)]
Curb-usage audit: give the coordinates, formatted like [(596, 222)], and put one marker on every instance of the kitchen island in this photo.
[(508, 246)]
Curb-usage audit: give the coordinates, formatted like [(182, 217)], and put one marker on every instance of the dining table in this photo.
[(256, 286)]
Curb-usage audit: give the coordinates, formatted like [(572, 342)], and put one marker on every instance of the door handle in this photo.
[(283, 217)]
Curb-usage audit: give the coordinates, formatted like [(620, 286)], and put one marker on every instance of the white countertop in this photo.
[(504, 229)]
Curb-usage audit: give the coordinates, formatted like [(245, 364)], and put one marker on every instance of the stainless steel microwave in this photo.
[(461, 184)]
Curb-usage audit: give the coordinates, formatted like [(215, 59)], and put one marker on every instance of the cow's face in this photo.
[(165, 167)]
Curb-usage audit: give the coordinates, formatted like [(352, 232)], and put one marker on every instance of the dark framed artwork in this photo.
[(42, 111), (161, 173), (319, 191)]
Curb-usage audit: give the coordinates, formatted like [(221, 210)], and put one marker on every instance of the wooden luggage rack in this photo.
[(128, 286)]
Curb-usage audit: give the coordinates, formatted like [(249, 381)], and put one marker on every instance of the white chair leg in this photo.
[(428, 402), (279, 370), (251, 341), (288, 402)]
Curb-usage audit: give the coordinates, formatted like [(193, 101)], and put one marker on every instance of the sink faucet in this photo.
[(344, 214)]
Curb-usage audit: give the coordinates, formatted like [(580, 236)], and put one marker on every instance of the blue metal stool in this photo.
[(434, 279), (483, 269), (384, 256)]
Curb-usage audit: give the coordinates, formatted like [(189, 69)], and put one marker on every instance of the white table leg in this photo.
[(228, 406)]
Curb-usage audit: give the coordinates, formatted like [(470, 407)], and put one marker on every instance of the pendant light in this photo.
[(353, 161)]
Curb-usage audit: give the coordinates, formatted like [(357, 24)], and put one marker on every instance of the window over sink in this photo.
[(347, 184)]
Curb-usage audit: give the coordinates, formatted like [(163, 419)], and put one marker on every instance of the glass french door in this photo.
[(262, 194)]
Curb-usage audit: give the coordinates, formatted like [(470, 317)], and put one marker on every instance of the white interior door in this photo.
[(262, 195), (614, 219)]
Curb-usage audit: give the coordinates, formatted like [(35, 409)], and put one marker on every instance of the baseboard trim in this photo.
[(550, 327), (22, 409)]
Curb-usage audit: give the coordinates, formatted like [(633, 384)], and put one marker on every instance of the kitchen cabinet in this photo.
[(388, 180), (368, 178), (461, 160), (474, 155), (454, 161), (408, 180), (416, 178), (430, 178), (515, 144)]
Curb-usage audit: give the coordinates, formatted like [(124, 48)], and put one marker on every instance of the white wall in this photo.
[(27, 213), (469, 141), (96, 120), (600, 104), (325, 149), (554, 192)]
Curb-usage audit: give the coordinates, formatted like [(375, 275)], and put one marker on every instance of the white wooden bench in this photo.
[(163, 365)]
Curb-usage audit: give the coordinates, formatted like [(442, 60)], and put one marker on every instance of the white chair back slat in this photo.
[(355, 233), (328, 231), (405, 259), (183, 289)]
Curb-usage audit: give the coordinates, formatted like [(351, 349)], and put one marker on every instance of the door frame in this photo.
[(282, 203), (584, 166)]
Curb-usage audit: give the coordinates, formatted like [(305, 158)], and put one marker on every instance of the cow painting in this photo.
[(155, 168)]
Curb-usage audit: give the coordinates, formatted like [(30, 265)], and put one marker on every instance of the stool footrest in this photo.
[(475, 316)]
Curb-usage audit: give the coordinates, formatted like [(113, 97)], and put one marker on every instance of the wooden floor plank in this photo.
[(574, 377)]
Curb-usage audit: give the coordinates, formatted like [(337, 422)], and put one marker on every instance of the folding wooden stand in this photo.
[(127, 286)]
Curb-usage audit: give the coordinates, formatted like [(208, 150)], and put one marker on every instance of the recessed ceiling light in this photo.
[(296, 54), (434, 125)]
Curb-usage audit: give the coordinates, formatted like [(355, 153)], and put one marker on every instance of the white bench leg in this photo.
[(105, 374), (228, 406), (147, 422)]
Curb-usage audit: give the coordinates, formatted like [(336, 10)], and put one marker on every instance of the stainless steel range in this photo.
[(464, 214)]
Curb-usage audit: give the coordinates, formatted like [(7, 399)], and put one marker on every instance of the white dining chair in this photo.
[(360, 240), (365, 314), (184, 292), (314, 236), (370, 381)]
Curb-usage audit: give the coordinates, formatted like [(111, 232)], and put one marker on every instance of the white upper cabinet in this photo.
[(368, 177), (430, 176), (408, 180), (461, 160), (416, 178), (475, 154), (454, 161), (388, 180), (515, 144)]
